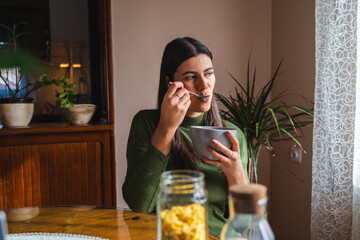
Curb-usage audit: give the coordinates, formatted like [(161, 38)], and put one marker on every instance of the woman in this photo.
[(159, 139)]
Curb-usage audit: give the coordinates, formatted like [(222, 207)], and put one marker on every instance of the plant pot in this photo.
[(80, 114), (16, 112)]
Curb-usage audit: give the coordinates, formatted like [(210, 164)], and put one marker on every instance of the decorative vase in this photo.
[(16, 112), (79, 114)]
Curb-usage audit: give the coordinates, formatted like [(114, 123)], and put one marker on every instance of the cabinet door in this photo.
[(51, 174)]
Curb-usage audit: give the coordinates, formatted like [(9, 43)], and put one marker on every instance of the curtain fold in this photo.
[(336, 154)]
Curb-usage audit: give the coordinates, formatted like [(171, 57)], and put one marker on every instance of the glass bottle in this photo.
[(182, 206), (247, 205)]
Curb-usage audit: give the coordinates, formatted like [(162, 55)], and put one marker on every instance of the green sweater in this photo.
[(146, 163)]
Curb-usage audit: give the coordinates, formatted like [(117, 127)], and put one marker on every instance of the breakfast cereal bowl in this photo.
[(201, 137)]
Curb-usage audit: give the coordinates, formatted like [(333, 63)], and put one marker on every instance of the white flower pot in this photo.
[(80, 114), (16, 114)]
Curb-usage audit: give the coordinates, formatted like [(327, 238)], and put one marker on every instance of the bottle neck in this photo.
[(241, 206)]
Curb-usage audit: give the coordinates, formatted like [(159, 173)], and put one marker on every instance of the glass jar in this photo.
[(182, 206), (247, 205)]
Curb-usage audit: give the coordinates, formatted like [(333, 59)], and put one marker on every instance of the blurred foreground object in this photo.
[(247, 205)]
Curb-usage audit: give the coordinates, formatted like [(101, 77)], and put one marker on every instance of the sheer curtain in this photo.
[(336, 145)]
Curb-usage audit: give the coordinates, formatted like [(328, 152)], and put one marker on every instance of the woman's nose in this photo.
[(201, 83)]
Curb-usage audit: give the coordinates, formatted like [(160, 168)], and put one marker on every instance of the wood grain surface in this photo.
[(57, 164), (51, 174), (110, 224)]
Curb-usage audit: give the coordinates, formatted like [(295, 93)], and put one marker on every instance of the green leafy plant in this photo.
[(67, 93), (17, 64), (263, 120)]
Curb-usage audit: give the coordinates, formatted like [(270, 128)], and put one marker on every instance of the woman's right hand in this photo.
[(175, 104)]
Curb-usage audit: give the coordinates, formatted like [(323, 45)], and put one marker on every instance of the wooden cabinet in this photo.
[(57, 165)]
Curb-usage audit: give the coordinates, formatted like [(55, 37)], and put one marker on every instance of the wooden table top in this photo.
[(84, 220)]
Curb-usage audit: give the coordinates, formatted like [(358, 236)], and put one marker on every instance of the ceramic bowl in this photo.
[(201, 137), (80, 114)]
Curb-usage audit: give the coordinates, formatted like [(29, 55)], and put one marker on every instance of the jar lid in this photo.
[(251, 192), (249, 198)]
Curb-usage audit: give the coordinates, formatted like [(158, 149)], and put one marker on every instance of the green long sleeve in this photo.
[(146, 164)]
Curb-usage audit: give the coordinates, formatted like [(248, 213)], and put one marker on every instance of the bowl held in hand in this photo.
[(201, 137)]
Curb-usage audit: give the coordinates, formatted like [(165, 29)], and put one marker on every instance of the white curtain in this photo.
[(336, 144)]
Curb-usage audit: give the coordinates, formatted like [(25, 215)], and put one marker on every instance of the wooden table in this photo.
[(84, 220)]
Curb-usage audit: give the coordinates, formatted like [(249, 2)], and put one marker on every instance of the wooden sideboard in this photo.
[(57, 164)]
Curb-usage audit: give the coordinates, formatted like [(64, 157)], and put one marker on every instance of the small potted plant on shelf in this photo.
[(16, 107), (76, 114)]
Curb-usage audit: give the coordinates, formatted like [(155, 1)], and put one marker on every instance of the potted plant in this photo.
[(76, 114), (263, 120), (16, 107)]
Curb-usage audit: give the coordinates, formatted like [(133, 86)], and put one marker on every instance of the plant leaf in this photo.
[(69, 86), (72, 93), (64, 101), (275, 119), (8, 28), (62, 95), (291, 136)]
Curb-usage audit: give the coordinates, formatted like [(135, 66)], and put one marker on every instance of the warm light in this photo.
[(76, 65), (64, 65)]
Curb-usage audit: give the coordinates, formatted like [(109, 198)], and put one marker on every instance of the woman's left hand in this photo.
[(230, 163)]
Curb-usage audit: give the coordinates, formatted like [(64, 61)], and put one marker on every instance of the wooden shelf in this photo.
[(54, 128)]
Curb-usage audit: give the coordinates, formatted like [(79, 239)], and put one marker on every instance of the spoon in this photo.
[(199, 96), (196, 95)]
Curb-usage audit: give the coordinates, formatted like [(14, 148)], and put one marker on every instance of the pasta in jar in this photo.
[(184, 223), (182, 206)]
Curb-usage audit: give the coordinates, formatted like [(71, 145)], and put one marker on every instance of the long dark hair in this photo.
[(175, 53)]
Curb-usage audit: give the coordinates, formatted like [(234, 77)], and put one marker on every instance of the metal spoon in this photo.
[(199, 96), (196, 95)]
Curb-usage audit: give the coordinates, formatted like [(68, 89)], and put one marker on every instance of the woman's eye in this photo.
[(191, 77), (208, 74)]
